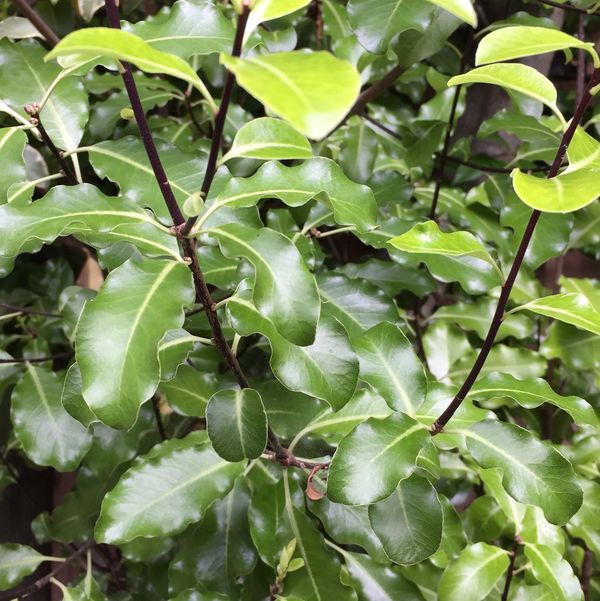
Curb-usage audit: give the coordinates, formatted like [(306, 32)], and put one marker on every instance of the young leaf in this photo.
[(47, 433), (16, 562), (266, 139), (124, 46), (351, 203), (507, 43), (285, 292), (389, 364), (571, 308), (371, 461), (119, 332), (534, 472), (237, 424), (267, 10), (481, 566), (463, 9), (409, 522), (165, 490), (314, 92)]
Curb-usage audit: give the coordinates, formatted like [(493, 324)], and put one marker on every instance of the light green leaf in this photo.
[(124, 46), (119, 332), (371, 461), (389, 364), (570, 308), (165, 490), (507, 43), (173, 350), (556, 573), (569, 191), (267, 139), (48, 434), (17, 28), (463, 9), (84, 211), (237, 424), (267, 10), (513, 76), (186, 29), (313, 91), (534, 472), (474, 574), (16, 562), (531, 394), (327, 369), (351, 203), (189, 391), (12, 168), (409, 522), (583, 523)]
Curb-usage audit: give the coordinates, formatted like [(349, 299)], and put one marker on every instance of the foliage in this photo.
[(291, 293)]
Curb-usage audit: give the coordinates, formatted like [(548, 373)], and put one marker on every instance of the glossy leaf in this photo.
[(371, 461), (165, 491), (463, 9), (120, 371), (409, 522), (16, 562), (12, 145), (267, 10), (313, 92), (189, 391), (237, 424)]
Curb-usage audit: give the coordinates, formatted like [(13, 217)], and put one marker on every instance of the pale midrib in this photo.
[(278, 73), (236, 150), (396, 440), (9, 134), (225, 200), (582, 318), (239, 421)]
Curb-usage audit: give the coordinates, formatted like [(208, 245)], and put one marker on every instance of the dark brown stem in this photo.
[(445, 417), (565, 7), (215, 146), (36, 20), (39, 359), (418, 333), (45, 580), (376, 90), (158, 418), (190, 110), (510, 571), (28, 311), (488, 168), (587, 570)]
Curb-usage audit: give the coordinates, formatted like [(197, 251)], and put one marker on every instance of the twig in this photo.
[(565, 7), (28, 311), (376, 90), (489, 168), (158, 417), (445, 417), (587, 570), (511, 570), (36, 20), (45, 580), (65, 355)]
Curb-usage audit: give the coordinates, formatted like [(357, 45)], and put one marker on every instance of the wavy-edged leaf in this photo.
[(533, 471), (124, 46), (119, 332), (165, 490), (371, 461), (12, 168), (16, 562), (313, 91), (266, 138), (507, 43), (474, 574), (190, 390), (571, 307), (186, 29), (326, 369), (351, 203), (389, 364), (533, 393), (463, 9), (173, 350), (236, 423), (285, 292), (48, 434), (84, 211), (409, 522)]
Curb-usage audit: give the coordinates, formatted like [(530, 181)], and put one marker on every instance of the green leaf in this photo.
[(186, 29), (371, 461), (513, 76), (409, 522), (583, 523), (165, 490), (48, 434), (389, 364), (551, 569), (534, 472), (237, 424), (189, 391), (463, 9), (84, 211), (573, 308), (533, 393), (266, 139), (474, 574), (359, 150), (173, 350), (327, 369), (16, 562), (285, 292), (507, 43), (351, 203), (569, 191), (12, 169), (267, 10), (313, 91), (119, 332), (124, 46)]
